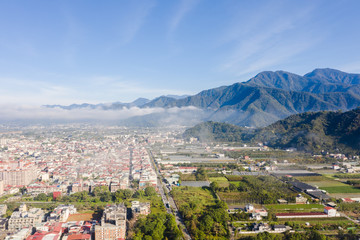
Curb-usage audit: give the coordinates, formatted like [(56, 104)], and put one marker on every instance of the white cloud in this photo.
[(26, 112)]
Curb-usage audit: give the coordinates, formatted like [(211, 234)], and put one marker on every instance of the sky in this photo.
[(64, 52)]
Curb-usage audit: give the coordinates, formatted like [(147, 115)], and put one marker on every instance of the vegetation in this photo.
[(204, 217), (347, 175), (254, 189), (157, 226), (216, 131)]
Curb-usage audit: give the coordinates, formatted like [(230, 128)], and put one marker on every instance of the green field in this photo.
[(218, 179), (295, 207), (200, 196), (321, 181), (322, 221), (341, 189), (187, 177)]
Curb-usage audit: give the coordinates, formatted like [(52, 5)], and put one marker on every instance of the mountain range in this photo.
[(264, 99), (311, 131)]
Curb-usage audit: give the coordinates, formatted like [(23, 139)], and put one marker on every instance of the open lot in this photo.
[(84, 216)]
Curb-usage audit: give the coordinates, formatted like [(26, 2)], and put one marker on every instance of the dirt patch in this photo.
[(84, 217)]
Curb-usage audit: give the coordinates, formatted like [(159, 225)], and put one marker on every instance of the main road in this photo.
[(168, 200)]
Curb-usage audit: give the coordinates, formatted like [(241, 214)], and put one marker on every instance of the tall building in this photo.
[(113, 223), (17, 173), (1, 187)]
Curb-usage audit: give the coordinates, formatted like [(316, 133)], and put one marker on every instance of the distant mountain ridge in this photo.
[(106, 106), (271, 96), (264, 99), (312, 131)]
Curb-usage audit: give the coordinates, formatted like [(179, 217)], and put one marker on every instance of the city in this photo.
[(96, 182)]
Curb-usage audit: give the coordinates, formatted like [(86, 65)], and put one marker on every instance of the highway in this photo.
[(172, 208)]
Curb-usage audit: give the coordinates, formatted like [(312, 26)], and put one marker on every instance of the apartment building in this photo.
[(113, 223)]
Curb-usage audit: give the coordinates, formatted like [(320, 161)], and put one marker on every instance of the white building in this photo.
[(331, 212)]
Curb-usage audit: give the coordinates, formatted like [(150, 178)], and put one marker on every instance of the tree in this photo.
[(100, 189), (150, 191), (214, 186), (139, 194), (23, 190), (41, 197), (127, 193)]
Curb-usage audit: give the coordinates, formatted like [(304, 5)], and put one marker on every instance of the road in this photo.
[(172, 209)]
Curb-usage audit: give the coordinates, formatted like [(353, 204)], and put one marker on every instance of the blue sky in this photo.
[(63, 52)]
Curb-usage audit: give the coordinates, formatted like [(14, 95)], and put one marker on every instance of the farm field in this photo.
[(295, 207), (320, 181), (218, 179), (341, 189), (322, 221), (200, 196), (222, 181), (344, 195), (233, 197)]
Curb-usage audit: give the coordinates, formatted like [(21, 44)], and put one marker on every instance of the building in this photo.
[(331, 212), (1, 187), (47, 231), (17, 173), (260, 227), (113, 223), (282, 201), (279, 228), (249, 207), (20, 235), (3, 224), (3, 208), (300, 199), (25, 218), (302, 187), (140, 208), (61, 213)]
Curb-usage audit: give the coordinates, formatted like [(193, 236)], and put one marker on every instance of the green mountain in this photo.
[(271, 96), (312, 131)]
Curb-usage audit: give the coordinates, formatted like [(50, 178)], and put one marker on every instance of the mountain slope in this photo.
[(264, 99), (313, 131), (271, 96)]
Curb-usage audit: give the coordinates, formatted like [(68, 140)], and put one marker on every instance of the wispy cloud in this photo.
[(185, 7), (136, 19), (261, 40), (93, 89), (353, 67)]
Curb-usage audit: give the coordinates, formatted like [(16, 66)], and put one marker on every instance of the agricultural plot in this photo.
[(277, 208), (234, 197), (341, 189), (218, 179), (200, 196), (320, 181), (321, 221)]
